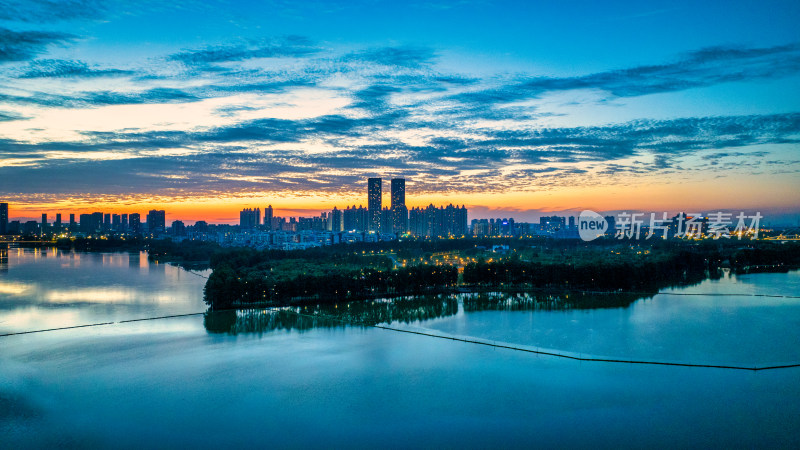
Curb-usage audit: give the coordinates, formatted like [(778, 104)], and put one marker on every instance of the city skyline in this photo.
[(511, 109)]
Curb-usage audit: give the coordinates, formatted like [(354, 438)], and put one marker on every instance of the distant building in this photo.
[(480, 227), (31, 228), (135, 223), (355, 218), (438, 222), (268, 217), (374, 200), (249, 219), (97, 222), (91, 223), (612, 226), (552, 224), (178, 228), (387, 220), (57, 223), (156, 221), (4, 218), (14, 227), (335, 222)]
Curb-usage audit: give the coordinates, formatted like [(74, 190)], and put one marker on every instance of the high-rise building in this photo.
[(178, 228), (355, 218), (72, 225), (135, 223), (156, 221), (268, 217), (57, 223), (398, 206), (116, 222), (552, 224), (398, 192), (97, 222), (386, 221), (123, 222), (438, 222), (335, 220), (249, 219), (86, 223), (3, 218), (44, 220), (374, 200)]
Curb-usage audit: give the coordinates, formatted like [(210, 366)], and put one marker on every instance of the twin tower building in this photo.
[(396, 217)]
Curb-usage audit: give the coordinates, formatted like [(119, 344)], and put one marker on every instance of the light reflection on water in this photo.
[(48, 288)]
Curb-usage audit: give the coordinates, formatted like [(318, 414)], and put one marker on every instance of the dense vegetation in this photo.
[(350, 272)]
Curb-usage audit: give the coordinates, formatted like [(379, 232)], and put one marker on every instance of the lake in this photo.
[(276, 379)]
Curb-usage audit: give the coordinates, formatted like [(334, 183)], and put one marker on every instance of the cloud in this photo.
[(54, 68), (25, 45), (41, 11), (702, 68), (102, 98), (406, 56), (721, 155), (249, 156), (6, 116), (289, 46), (374, 98)]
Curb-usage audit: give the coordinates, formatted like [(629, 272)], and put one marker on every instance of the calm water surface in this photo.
[(266, 380)]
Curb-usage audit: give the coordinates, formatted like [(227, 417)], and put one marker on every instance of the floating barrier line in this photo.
[(558, 355)]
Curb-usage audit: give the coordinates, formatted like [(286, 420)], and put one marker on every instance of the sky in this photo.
[(514, 109)]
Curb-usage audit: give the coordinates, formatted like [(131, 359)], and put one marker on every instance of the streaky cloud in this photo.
[(54, 68), (44, 11), (702, 68), (404, 56), (102, 98), (25, 45), (289, 46)]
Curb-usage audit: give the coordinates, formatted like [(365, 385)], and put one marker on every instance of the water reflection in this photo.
[(553, 301), (263, 321), (134, 259), (4, 260), (404, 310)]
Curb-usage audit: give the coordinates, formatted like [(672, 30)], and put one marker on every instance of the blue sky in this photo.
[(513, 108)]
